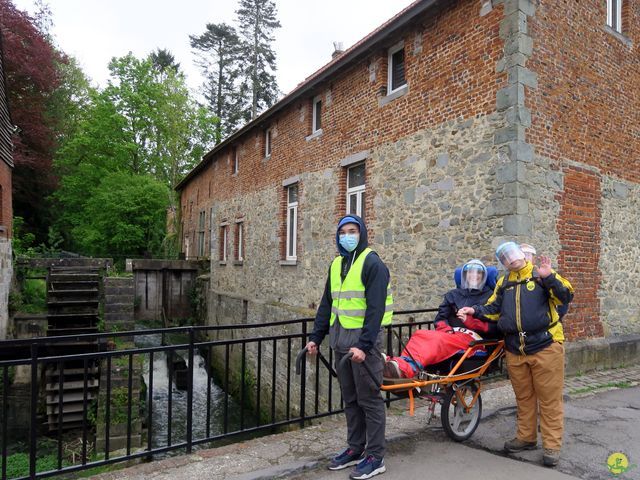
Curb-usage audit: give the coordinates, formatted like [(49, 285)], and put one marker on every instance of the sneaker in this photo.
[(550, 458), (367, 468), (517, 445), (345, 459), (391, 370)]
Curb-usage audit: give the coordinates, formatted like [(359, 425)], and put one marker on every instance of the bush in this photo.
[(18, 464)]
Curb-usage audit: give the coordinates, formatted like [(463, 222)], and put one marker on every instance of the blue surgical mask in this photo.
[(349, 241)]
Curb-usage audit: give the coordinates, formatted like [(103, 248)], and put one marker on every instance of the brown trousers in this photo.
[(538, 382)]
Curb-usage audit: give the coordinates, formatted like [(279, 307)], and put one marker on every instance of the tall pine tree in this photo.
[(257, 20), (218, 50)]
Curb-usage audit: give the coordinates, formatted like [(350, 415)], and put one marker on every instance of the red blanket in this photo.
[(429, 347)]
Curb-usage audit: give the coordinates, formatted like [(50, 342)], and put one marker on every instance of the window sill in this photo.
[(264, 159), (222, 262), (397, 93), (234, 174), (288, 263), (316, 134), (620, 36), (238, 263)]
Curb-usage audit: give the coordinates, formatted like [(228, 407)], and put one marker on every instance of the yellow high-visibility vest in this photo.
[(348, 301)]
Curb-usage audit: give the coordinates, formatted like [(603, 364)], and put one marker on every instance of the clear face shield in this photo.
[(529, 251), (509, 253), (474, 275)]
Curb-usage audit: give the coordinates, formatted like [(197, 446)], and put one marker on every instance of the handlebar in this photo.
[(300, 359), (348, 356)]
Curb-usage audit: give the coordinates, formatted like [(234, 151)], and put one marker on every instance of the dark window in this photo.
[(396, 67)]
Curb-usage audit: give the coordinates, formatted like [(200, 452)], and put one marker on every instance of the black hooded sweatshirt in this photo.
[(375, 278)]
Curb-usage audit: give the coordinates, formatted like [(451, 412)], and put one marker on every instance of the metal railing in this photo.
[(251, 365)]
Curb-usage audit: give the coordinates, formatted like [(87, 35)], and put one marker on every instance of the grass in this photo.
[(602, 386)]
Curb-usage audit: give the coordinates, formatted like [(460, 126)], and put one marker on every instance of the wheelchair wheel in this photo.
[(456, 420)]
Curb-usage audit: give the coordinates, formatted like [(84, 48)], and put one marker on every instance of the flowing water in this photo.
[(201, 386)]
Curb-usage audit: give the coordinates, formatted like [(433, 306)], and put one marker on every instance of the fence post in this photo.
[(33, 433), (303, 375), (190, 393)]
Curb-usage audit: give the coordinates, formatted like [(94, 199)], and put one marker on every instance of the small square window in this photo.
[(395, 68), (316, 123), (267, 143)]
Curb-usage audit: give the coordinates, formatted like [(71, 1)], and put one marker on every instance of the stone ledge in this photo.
[(602, 353)]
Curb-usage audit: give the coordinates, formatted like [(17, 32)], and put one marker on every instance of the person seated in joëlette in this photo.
[(427, 347)]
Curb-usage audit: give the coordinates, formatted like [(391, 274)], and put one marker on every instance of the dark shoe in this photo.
[(517, 445), (391, 369), (550, 458), (367, 468), (346, 459)]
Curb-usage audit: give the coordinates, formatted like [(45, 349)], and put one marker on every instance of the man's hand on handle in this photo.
[(358, 355), (312, 348)]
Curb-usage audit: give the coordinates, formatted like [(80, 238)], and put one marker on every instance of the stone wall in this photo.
[(619, 254), (6, 273), (118, 304)]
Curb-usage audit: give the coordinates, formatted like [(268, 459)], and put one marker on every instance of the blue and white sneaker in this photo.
[(367, 468), (345, 459)]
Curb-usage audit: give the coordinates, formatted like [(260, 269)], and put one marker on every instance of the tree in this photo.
[(163, 60), (141, 124), (32, 76), (125, 216), (218, 51), (257, 20)]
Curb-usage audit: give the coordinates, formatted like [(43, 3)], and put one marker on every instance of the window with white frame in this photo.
[(614, 14), (355, 190), (224, 242), (239, 241), (267, 143), (395, 68), (201, 225), (292, 222), (316, 123)]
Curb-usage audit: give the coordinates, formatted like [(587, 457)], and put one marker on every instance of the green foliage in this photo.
[(124, 216), (133, 143), (18, 464)]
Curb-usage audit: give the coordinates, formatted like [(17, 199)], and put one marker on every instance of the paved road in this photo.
[(428, 458), (597, 425)]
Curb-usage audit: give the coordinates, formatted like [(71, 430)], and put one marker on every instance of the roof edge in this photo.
[(360, 48)]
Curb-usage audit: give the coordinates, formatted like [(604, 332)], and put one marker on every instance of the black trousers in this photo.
[(363, 404)]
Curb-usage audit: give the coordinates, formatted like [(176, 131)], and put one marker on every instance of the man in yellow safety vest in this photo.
[(355, 306)]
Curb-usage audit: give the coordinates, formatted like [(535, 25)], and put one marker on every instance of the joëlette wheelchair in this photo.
[(455, 384)]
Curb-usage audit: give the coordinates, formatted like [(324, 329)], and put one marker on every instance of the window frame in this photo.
[(239, 240), (292, 236), (236, 161), (391, 52), (267, 143), (202, 223), (316, 118), (617, 26), (224, 242), (358, 191)]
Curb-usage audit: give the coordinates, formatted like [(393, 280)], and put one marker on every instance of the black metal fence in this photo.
[(110, 395)]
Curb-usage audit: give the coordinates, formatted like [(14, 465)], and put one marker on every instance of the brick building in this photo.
[(6, 212), (452, 127)]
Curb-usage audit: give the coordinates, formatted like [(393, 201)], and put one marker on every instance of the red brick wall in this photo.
[(452, 77), (587, 105), (579, 231), (586, 110), (6, 212)]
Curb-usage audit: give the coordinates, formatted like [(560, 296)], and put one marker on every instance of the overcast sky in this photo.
[(94, 31)]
